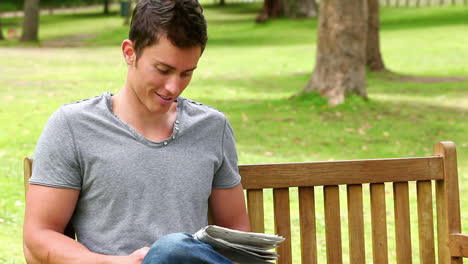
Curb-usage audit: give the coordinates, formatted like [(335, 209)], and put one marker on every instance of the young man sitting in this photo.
[(139, 166)]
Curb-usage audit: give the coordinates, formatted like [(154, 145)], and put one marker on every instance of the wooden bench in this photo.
[(439, 170)]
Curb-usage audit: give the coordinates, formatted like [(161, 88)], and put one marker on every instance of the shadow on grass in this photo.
[(293, 82), (235, 8), (414, 18), (422, 86), (313, 102), (401, 77), (54, 19)]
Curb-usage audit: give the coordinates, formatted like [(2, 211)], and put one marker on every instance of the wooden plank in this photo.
[(256, 210), (308, 225), (27, 170), (211, 220), (402, 223), (459, 245), (425, 222), (356, 224), (442, 223), (283, 223), (451, 183), (379, 224), (333, 224), (340, 172), (448, 201)]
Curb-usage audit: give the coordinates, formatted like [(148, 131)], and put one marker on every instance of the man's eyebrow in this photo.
[(172, 67)]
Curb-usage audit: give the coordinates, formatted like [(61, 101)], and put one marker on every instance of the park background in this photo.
[(250, 71)]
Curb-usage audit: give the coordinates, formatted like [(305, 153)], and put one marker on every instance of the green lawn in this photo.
[(249, 72)]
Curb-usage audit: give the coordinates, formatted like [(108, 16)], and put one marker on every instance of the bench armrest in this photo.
[(459, 245)]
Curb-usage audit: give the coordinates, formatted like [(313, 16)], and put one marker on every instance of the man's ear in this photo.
[(128, 52)]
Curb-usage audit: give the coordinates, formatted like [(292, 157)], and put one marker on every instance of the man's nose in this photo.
[(173, 84)]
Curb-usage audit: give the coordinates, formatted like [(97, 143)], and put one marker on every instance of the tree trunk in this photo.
[(298, 8), (307, 8), (31, 21), (374, 59), (269, 10), (340, 66), (222, 2), (287, 8), (129, 13), (1, 31), (106, 7)]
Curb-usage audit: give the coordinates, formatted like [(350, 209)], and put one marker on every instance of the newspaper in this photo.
[(238, 246)]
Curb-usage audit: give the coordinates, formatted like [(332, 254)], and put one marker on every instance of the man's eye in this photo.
[(187, 74), (163, 71)]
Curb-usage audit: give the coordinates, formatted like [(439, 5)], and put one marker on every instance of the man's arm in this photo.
[(228, 208), (48, 210)]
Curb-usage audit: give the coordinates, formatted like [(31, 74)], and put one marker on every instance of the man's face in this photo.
[(161, 74)]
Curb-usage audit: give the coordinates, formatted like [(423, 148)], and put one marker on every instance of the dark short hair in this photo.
[(181, 21)]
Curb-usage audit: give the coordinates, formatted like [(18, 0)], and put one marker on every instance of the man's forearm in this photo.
[(47, 246), (241, 226)]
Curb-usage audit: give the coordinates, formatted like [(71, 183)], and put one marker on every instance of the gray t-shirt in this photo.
[(132, 190)]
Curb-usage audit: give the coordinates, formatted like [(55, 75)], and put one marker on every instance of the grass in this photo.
[(249, 72)]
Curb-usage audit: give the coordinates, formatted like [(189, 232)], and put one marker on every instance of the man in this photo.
[(141, 165)]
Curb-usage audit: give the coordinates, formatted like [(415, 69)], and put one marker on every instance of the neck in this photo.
[(153, 126)]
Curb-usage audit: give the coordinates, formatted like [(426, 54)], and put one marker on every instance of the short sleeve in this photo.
[(55, 158), (227, 175)]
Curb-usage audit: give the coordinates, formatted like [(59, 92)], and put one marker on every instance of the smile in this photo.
[(165, 98)]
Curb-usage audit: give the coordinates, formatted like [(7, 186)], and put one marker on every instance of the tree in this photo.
[(31, 21), (1, 31), (128, 12), (374, 59), (306, 8), (106, 6), (287, 8), (341, 50)]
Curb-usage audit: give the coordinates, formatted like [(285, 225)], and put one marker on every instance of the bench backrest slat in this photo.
[(357, 253), (255, 208), (308, 225), (283, 223), (425, 222), (379, 223), (333, 224), (442, 223), (341, 172), (402, 222)]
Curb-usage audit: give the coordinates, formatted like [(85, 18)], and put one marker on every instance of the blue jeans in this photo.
[(182, 248)]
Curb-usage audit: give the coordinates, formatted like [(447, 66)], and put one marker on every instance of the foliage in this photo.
[(249, 72), (13, 5)]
